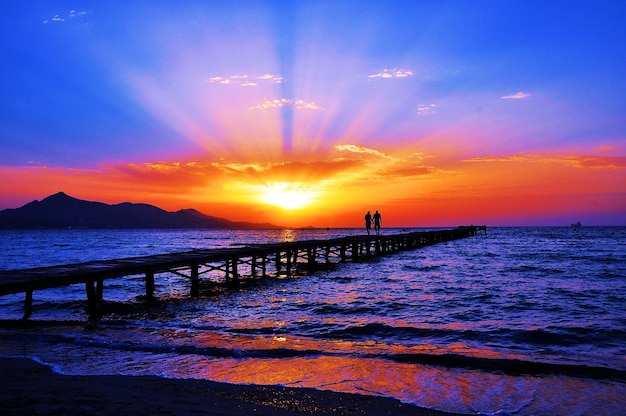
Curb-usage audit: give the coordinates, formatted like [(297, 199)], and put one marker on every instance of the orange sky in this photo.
[(408, 187)]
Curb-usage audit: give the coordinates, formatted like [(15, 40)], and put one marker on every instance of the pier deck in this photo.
[(253, 261)]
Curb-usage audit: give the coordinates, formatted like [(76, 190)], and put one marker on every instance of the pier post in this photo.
[(253, 266), (149, 284), (195, 280), (99, 289), (342, 252), (92, 300), (235, 271), (355, 251), (311, 253), (288, 265), (279, 261), (264, 264), (28, 304)]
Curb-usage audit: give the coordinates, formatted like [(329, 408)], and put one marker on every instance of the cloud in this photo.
[(194, 173), (391, 73), (506, 159), (517, 96), (269, 104), (310, 170), (55, 18), (168, 175), (289, 171), (353, 148), (246, 80), (605, 148), (608, 162), (73, 14), (410, 171), (425, 109), (307, 105), (299, 104), (272, 78)]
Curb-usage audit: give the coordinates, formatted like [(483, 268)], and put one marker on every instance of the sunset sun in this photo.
[(290, 196)]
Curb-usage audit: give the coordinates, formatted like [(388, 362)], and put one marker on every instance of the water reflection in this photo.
[(462, 391), (287, 236)]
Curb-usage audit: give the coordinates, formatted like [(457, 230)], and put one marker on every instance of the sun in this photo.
[(286, 195)]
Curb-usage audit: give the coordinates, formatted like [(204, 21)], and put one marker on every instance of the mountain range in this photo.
[(63, 211)]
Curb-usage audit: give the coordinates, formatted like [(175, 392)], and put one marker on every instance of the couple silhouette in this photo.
[(377, 218)]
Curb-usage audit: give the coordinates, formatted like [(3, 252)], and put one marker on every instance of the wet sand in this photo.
[(29, 388)]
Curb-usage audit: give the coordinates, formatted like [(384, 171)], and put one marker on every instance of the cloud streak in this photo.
[(73, 14), (610, 162), (425, 109), (353, 148), (283, 102), (246, 80), (581, 161), (520, 95), (191, 174), (391, 73)]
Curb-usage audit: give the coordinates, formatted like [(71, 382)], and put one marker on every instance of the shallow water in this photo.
[(520, 321)]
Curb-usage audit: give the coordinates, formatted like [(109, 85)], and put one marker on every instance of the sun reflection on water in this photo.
[(462, 391)]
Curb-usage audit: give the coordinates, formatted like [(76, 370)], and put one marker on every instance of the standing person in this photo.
[(378, 220), (368, 222)]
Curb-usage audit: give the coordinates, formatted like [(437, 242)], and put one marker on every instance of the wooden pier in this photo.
[(249, 262)]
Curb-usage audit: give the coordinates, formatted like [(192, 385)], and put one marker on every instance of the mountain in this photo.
[(63, 211)]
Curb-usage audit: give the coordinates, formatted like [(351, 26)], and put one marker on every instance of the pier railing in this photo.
[(228, 265)]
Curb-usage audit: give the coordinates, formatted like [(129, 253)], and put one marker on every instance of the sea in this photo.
[(520, 321)]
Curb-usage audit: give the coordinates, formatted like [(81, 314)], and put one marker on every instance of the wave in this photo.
[(387, 332), (424, 267), (514, 367), (511, 366), (342, 310), (539, 337)]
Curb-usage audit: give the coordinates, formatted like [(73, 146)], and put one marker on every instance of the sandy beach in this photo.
[(29, 388)]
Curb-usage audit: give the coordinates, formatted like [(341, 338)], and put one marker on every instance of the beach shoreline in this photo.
[(28, 387)]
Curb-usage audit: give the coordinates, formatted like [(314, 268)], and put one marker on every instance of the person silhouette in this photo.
[(368, 222), (378, 219)]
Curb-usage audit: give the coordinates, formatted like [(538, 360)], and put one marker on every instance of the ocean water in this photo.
[(521, 321)]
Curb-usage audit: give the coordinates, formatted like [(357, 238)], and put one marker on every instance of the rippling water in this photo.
[(520, 321)]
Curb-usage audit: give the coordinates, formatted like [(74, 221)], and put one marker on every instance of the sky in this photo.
[(310, 113)]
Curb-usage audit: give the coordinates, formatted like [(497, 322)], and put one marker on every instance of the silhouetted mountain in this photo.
[(63, 211)]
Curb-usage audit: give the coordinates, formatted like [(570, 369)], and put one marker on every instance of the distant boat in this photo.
[(576, 225)]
